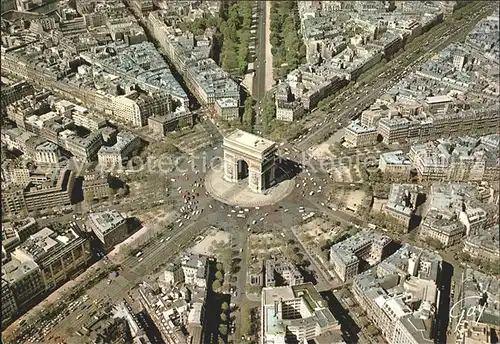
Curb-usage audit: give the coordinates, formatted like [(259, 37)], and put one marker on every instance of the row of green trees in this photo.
[(219, 277), (288, 48), (231, 34), (235, 28)]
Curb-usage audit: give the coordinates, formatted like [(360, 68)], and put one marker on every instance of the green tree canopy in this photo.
[(216, 285), (248, 115)]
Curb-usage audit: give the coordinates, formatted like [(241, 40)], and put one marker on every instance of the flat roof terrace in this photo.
[(250, 141)]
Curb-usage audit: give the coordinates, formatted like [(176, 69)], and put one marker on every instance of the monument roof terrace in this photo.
[(251, 141)]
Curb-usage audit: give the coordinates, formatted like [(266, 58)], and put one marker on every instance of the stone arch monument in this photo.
[(248, 155)]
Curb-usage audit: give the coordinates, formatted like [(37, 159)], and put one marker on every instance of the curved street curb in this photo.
[(273, 199)]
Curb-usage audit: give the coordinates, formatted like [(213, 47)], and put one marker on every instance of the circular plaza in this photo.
[(239, 194)]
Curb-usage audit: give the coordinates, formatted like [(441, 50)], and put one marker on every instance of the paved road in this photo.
[(269, 74), (408, 58), (259, 82)]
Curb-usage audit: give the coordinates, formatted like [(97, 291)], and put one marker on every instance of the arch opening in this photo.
[(242, 169)]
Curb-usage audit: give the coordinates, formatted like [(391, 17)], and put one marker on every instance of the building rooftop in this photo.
[(106, 221), (123, 139), (14, 270), (403, 197), (360, 129), (395, 158), (47, 241), (251, 141), (225, 103), (347, 250), (314, 309), (398, 262), (478, 286)]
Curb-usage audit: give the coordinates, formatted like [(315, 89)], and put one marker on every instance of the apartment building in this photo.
[(227, 109), (206, 79), (195, 270), (454, 212), (110, 227), (47, 153), (173, 273), (16, 138), (14, 92), (345, 256), (433, 126), (460, 159), (15, 232), (483, 244), (127, 144), (95, 186), (84, 148), (135, 107), (402, 202), (13, 202), (296, 314), (281, 273), (56, 192), (479, 286), (161, 125), (51, 129), (358, 136), (388, 292), (442, 229), (61, 253), (17, 176), (395, 164), (83, 118), (9, 307), (24, 285), (289, 111)]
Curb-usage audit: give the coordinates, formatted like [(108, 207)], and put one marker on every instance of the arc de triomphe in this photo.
[(248, 155)]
